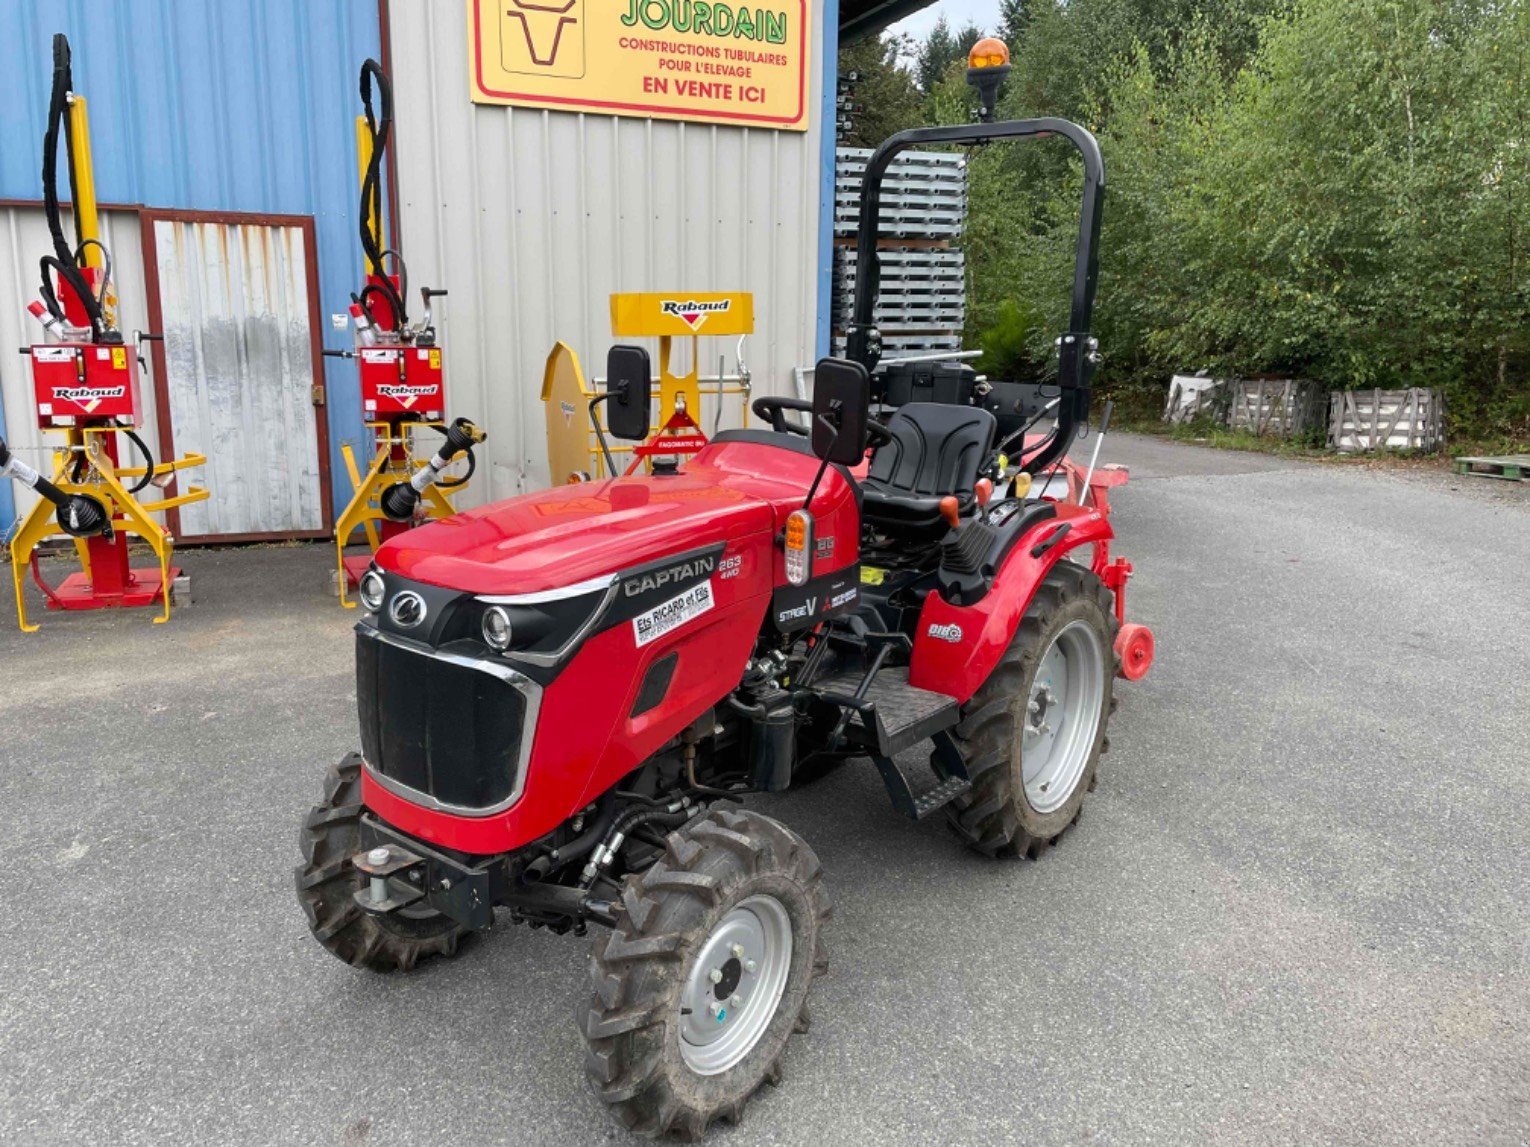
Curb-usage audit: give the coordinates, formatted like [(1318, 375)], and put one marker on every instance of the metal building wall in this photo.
[(23, 240), (533, 218), (238, 105)]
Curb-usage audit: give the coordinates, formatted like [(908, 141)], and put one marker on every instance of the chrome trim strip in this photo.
[(517, 681), (547, 660), (578, 589)]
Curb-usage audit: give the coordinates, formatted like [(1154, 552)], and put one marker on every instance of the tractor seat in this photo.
[(935, 452)]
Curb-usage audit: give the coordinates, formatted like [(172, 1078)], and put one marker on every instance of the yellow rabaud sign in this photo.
[(704, 60)]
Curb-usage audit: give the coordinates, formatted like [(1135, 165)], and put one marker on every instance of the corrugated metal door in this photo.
[(235, 298)]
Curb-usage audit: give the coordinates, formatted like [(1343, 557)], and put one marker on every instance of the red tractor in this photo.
[(565, 696)]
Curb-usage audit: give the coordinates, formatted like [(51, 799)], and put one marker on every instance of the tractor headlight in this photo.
[(497, 631), (372, 590), (799, 547)]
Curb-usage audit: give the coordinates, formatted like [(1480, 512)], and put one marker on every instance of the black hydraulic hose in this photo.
[(400, 268), (592, 835), (379, 126), (611, 843), (106, 268), (63, 259), (148, 462)]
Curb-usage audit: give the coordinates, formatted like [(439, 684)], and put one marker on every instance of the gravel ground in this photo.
[(1297, 907)]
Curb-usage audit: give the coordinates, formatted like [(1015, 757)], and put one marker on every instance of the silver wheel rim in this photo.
[(735, 985), (1062, 716)]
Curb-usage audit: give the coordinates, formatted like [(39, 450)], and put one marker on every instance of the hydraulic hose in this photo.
[(63, 259), (380, 127), (148, 462)]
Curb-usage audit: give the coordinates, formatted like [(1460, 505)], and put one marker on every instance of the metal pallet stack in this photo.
[(922, 303)]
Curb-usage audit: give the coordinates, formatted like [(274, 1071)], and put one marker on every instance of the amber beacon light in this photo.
[(987, 67)]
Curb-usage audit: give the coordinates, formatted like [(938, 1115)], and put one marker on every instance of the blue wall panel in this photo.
[(238, 105), (829, 29)]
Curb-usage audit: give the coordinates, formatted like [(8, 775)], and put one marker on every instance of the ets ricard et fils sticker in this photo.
[(707, 61), (672, 614)]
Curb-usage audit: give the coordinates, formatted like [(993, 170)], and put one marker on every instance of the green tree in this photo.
[(885, 96), (941, 49)]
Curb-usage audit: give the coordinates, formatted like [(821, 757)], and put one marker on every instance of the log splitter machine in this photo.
[(402, 387), (85, 385)]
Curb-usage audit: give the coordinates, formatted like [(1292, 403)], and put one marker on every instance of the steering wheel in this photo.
[(773, 410)]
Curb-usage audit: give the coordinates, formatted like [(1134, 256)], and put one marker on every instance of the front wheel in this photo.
[(706, 974), (327, 880), (1033, 734)]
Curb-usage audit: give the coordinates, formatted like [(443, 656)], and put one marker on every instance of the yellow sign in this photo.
[(637, 315), (708, 61)]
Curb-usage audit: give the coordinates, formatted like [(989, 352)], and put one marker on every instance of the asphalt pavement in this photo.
[(1297, 908)]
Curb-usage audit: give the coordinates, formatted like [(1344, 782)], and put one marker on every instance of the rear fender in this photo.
[(956, 647)]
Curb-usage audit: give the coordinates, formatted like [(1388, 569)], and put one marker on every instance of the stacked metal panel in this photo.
[(924, 194), (921, 304)]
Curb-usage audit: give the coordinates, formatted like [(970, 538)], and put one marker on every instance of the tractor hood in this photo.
[(570, 534)]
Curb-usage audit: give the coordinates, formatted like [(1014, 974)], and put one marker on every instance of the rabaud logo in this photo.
[(405, 393), (88, 397), (692, 312)]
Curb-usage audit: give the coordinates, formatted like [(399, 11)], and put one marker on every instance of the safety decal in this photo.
[(672, 614)]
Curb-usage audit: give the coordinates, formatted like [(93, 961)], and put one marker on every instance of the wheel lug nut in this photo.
[(714, 1007), (750, 966), (735, 1000), (738, 951), (715, 975)]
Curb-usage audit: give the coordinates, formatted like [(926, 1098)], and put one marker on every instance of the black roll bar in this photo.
[(1076, 349)]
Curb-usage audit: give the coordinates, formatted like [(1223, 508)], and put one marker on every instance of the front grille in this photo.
[(443, 726)]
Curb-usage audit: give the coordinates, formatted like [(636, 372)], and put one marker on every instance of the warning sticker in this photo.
[(379, 356), (672, 614)]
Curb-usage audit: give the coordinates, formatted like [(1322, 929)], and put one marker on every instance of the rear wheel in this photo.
[(1033, 734), (706, 974), (326, 879)]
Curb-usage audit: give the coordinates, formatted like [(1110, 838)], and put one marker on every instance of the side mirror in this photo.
[(842, 396), (629, 382)]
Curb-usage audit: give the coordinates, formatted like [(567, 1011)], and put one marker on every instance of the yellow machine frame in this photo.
[(128, 514), (572, 449), (363, 511)]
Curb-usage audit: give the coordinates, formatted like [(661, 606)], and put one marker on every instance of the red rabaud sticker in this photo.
[(692, 312)]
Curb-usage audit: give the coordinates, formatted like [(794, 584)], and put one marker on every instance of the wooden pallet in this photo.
[(1514, 467)]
